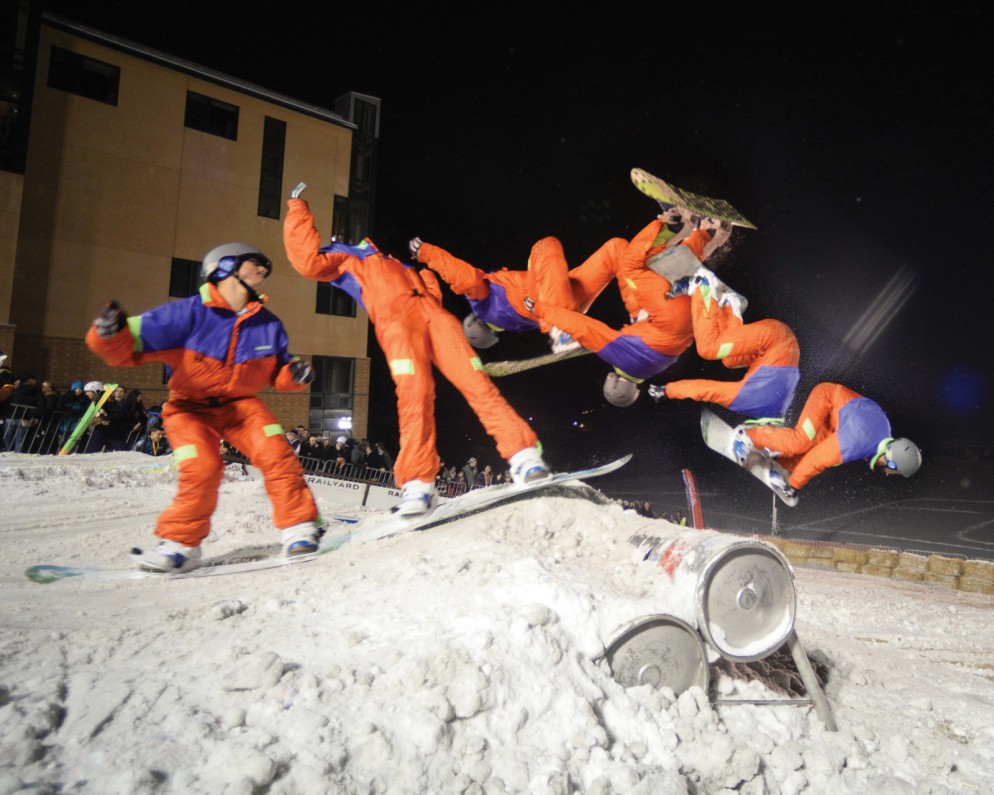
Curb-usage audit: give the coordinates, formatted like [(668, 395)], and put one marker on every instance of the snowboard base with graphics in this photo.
[(261, 558), (512, 366), (665, 193), (720, 437)]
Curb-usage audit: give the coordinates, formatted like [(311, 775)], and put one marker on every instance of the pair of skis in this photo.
[(88, 419)]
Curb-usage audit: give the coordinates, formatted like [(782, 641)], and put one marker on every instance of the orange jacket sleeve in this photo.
[(303, 242), (704, 390), (463, 278)]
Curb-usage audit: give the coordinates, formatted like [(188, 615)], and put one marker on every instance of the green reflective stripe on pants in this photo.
[(724, 350), (185, 452), (477, 364), (272, 430), (809, 428), (402, 366)]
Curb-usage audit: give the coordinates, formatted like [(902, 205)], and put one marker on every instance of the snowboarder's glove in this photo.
[(297, 190), (302, 372), (111, 320), (529, 304), (713, 225), (674, 216), (657, 391), (415, 246)]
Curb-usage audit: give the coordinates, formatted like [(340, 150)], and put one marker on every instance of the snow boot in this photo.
[(170, 557), (527, 466)]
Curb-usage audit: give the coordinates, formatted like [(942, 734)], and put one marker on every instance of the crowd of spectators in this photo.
[(40, 417)]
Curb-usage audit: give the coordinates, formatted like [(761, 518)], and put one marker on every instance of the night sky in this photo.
[(859, 143)]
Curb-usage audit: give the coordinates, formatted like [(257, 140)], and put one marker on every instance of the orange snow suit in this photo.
[(497, 298), (836, 426), (219, 360), (767, 347), (415, 332)]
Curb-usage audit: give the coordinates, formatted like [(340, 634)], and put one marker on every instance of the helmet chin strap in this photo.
[(253, 295)]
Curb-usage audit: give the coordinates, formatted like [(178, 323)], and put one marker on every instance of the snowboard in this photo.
[(468, 504), (720, 437), (665, 193), (512, 366), (478, 500), (86, 420)]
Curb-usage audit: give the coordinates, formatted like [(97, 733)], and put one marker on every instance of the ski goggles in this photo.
[(257, 259), (888, 461)]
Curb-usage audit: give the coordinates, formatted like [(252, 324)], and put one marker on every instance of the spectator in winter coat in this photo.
[(221, 347), (24, 399), (154, 443), (72, 404), (470, 471)]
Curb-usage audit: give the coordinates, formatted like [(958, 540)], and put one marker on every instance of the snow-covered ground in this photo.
[(462, 659)]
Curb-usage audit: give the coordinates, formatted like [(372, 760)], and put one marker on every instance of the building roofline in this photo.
[(190, 68)]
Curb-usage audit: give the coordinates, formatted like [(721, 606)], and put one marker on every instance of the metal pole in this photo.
[(807, 673)]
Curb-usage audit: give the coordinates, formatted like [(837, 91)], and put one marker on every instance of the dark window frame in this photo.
[(271, 168), (212, 116), (83, 76), (184, 277), (331, 300)]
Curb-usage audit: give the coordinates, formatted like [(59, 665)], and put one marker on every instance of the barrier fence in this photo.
[(26, 432)]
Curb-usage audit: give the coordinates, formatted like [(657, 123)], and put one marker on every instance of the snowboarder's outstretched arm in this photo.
[(463, 278)]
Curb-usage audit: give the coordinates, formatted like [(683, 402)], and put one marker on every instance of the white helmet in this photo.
[(478, 333), (93, 386), (620, 391), (223, 261), (903, 456)]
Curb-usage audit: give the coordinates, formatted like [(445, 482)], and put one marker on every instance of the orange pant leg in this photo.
[(254, 430), (813, 426), (404, 338), (196, 444), (588, 280), (548, 273), (461, 365)]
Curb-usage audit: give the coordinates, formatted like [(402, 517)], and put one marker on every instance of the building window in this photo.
[(331, 392), (271, 173), (184, 278), (211, 116), (332, 301), (339, 220), (86, 77)]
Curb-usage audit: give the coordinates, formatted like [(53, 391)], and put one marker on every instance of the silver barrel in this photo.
[(742, 588), (660, 651)]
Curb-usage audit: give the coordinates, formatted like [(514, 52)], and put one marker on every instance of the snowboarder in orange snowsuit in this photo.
[(414, 332), (661, 327), (496, 298), (222, 347), (836, 426), (768, 348)]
